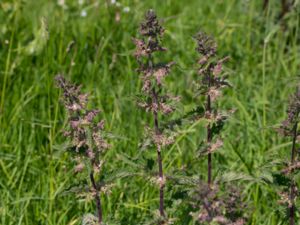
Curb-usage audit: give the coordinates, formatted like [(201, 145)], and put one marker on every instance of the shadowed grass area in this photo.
[(91, 44)]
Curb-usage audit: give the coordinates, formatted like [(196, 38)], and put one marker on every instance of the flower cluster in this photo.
[(215, 208), (160, 140), (84, 131), (153, 74), (210, 67), (287, 126)]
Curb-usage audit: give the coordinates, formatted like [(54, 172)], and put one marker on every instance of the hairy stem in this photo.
[(284, 8), (157, 132), (159, 160), (265, 5), (161, 189), (97, 198), (209, 137), (293, 185)]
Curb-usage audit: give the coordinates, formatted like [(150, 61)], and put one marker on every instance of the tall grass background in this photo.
[(35, 173)]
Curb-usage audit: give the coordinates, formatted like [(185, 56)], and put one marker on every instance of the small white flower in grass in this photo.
[(113, 2), (126, 9), (80, 2), (61, 2), (83, 13)]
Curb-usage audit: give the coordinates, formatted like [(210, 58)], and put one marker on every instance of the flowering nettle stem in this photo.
[(159, 160), (85, 135), (293, 185), (289, 128), (209, 136), (212, 207), (210, 85), (97, 197), (152, 98)]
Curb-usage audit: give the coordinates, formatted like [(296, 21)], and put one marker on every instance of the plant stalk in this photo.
[(97, 198), (293, 185), (265, 5), (209, 138), (159, 159)]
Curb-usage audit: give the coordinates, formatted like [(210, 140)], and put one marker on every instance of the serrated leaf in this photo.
[(266, 177), (218, 126), (281, 179), (197, 112), (126, 159), (233, 176)]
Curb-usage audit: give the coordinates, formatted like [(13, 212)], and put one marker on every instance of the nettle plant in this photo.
[(211, 205), (87, 144), (153, 97), (210, 85), (289, 128)]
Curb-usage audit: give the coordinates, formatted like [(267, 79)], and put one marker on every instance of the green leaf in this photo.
[(39, 42), (233, 176)]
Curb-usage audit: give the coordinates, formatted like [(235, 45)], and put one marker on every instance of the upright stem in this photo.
[(159, 160), (209, 159), (97, 198), (265, 5), (209, 137), (293, 185), (161, 189), (284, 8)]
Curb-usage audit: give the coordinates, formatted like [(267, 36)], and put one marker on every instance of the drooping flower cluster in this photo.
[(85, 134), (152, 98)]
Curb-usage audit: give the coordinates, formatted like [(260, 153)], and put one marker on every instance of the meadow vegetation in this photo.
[(211, 161)]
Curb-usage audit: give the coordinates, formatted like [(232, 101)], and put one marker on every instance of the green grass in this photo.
[(34, 171)]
